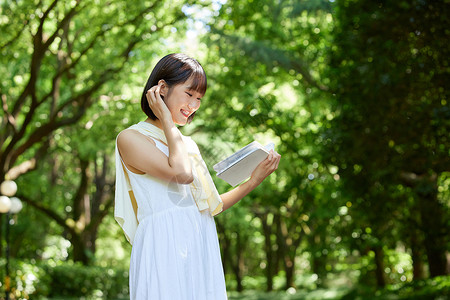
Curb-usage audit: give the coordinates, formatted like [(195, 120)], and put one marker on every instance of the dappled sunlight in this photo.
[(352, 93)]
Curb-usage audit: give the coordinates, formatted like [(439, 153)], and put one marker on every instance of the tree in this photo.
[(64, 54), (389, 134), (61, 56), (265, 61)]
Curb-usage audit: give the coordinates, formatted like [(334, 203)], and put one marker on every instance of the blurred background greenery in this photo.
[(352, 92)]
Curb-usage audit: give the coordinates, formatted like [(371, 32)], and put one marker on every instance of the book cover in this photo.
[(240, 165)]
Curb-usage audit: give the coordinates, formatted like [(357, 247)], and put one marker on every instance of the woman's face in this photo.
[(182, 102)]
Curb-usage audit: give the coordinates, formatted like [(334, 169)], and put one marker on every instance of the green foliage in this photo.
[(352, 93), (75, 280), (76, 71), (436, 288), (27, 278), (387, 134), (42, 279), (266, 60)]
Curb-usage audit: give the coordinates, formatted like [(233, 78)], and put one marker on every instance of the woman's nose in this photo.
[(194, 104)]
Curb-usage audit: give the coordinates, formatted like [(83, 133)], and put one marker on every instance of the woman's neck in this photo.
[(156, 122)]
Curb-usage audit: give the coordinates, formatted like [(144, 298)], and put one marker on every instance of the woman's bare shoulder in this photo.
[(134, 147), (131, 137)]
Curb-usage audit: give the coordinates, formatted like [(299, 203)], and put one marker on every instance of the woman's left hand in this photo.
[(266, 167)]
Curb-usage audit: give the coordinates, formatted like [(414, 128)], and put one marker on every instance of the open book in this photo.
[(240, 165)]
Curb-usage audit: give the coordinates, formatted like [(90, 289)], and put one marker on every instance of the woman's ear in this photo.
[(163, 87)]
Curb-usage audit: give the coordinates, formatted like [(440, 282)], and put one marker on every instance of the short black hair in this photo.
[(175, 68)]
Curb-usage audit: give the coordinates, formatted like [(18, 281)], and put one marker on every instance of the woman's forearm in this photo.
[(232, 197), (178, 155)]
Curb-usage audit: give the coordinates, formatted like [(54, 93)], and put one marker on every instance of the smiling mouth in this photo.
[(185, 113)]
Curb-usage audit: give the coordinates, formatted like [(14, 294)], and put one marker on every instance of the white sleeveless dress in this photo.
[(175, 253)]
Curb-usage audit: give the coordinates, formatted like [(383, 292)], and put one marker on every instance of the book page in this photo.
[(240, 165), (237, 156)]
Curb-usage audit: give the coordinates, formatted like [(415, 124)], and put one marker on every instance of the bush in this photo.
[(437, 288), (76, 280), (27, 278), (64, 279)]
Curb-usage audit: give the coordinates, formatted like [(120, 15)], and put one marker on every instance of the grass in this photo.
[(437, 288), (318, 294)]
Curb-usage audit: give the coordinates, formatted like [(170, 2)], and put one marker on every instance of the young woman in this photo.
[(165, 198)]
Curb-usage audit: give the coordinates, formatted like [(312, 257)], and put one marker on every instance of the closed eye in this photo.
[(190, 95)]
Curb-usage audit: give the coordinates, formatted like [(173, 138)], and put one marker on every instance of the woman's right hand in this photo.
[(157, 104)]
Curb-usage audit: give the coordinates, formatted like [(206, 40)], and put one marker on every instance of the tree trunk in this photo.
[(79, 249), (379, 270), (433, 226), (289, 270), (416, 256), (317, 257), (238, 266), (268, 250), (281, 243), (289, 242), (1, 235), (90, 238)]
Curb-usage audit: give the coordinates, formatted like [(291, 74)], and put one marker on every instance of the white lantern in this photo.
[(16, 205), (8, 188), (5, 204)]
